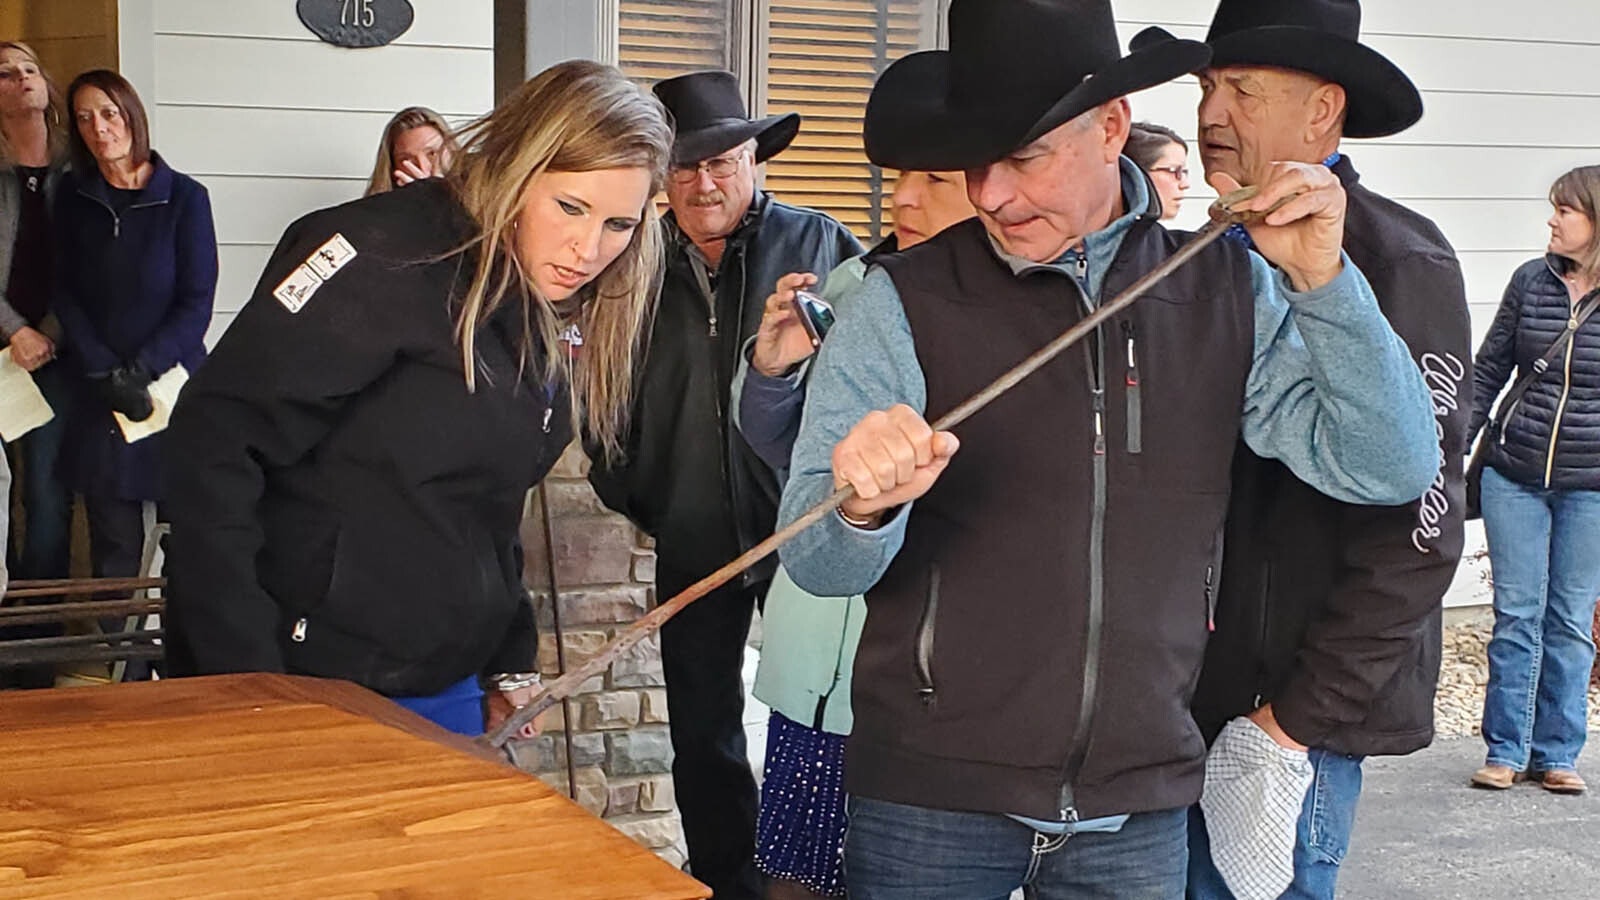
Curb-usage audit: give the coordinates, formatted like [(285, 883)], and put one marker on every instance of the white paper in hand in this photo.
[(163, 396), (22, 407)]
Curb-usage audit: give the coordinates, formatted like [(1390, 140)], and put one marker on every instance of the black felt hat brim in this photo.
[(912, 125), (773, 135), (1379, 99)]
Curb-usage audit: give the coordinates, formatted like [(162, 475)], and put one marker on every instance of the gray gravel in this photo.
[(1458, 708)]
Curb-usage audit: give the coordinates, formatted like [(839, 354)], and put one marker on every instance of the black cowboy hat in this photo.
[(1015, 70), (1315, 36), (710, 118)]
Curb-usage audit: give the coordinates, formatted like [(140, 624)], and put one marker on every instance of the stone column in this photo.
[(621, 749)]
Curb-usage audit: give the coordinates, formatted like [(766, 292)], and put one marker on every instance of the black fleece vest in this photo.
[(979, 648)]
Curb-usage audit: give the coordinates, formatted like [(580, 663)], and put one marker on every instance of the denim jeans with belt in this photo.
[(898, 852), (1322, 835), (1544, 550)]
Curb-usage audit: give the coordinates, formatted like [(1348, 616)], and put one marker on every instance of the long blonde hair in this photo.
[(576, 116), (403, 121), (1580, 189), (54, 118)]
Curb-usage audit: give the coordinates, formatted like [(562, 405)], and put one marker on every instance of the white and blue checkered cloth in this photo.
[(1254, 792)]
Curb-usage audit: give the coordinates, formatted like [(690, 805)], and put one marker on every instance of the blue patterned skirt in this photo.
[(800, 834)]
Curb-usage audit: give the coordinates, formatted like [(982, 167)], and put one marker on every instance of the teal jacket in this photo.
[(808, 644)]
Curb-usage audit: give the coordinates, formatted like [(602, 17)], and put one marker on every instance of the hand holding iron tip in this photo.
[(1295, 218)]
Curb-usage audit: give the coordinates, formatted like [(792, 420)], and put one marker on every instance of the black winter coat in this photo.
[(1330, 611), (1552, 439), (687, 477), (341, 506)]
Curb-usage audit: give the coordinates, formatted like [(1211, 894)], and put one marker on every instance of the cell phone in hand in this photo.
[(816, 315)]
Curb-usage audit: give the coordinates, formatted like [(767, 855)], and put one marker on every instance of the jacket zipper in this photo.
[(116, 219), (925, 628), (1077, 750), (1561, 408), (1211, 598), (1135, 405)]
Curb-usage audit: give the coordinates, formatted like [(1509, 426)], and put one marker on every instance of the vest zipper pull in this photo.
[(1099, 422), (298, 635), (547, 413), (712, 331)]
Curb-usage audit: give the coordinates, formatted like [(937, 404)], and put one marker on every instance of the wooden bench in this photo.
[(81, 600)]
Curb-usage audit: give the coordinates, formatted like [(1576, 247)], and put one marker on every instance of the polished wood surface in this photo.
[(273, 786)]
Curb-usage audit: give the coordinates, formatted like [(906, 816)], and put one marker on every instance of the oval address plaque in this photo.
[(356, 23)]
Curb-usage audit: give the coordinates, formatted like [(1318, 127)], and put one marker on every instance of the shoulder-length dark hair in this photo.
[(128, 104), (1579, 189), (1147, 140)]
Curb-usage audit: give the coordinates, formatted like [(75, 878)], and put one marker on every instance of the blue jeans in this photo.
[(46, 502), (898, 852), (1544, 549), (1322, 835)]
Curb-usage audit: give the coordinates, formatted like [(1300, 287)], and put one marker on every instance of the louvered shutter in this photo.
[(658, 39), (822, 59)]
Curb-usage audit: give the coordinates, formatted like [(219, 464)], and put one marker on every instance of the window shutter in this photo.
[(658, 39), (822, 59)]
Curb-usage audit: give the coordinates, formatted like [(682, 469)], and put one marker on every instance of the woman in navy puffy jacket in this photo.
[(1541, 501)]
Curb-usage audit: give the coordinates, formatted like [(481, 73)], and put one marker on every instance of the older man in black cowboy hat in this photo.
[(688, 478), (1038, 603), (1328, 621)]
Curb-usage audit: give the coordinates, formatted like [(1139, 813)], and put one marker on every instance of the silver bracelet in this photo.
[(515, 681), (853, 521)]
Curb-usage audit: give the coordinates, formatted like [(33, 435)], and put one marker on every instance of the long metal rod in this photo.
[(561, 638), (652, 622)]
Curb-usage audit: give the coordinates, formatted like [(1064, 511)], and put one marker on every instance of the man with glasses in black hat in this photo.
[(1037, 604), (1328, 624), (688, 479)]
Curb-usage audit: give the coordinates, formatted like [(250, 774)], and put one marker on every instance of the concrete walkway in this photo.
[(1423, 834)]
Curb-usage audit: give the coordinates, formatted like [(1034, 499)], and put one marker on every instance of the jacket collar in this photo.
[(1345, 170), (157, 190)]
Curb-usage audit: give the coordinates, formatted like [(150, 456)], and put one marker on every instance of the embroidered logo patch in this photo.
[(296, 291)]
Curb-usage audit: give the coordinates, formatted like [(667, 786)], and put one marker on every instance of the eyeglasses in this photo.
[(719, 167), (1179, 172)]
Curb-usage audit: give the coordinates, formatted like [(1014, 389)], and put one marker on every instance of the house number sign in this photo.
[(356, 23)]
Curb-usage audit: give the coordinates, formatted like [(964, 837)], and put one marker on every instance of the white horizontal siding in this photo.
[(438, 23), (277, 123)]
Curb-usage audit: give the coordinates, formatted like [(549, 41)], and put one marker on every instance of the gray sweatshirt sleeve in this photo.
[(1334, 394), (868, 363)]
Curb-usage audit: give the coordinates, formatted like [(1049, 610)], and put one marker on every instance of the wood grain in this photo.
[(269, 785)]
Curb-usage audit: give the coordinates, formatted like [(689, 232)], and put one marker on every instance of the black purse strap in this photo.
[(1586, 308)]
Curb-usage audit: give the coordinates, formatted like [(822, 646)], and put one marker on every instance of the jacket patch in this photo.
[(296, 291)]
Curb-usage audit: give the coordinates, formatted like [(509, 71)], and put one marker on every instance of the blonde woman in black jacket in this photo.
[(1541, 501), (350, 466)]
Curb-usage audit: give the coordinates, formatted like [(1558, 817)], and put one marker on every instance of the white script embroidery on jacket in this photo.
[(1443, 375)]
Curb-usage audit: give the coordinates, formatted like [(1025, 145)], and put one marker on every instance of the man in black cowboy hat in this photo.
[(1328, 624), (688, 479), (1038, 602)]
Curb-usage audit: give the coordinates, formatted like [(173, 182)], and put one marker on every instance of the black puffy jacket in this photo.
[(1552, 439), (687, 477)]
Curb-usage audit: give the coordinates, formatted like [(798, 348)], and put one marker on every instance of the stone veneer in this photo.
[(621, 749)]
